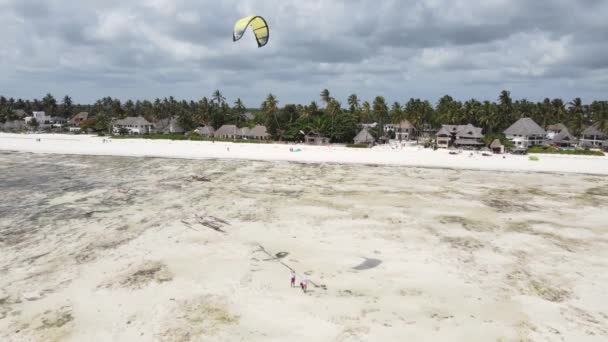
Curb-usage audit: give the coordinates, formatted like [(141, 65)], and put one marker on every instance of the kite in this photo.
[(258, 25)]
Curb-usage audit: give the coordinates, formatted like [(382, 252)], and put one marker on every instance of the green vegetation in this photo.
[(358, 145), (554, 150), (534, 158), (329, 117)]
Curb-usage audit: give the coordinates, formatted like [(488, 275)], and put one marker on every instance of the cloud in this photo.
[(149, 48)]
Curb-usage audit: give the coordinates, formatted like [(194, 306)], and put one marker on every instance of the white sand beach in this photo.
[(107, 248), (383, 155)]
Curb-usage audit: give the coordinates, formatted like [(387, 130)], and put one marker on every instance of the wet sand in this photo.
[(123, 249)]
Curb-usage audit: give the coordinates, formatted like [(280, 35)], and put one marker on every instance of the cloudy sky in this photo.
[(143, 49)]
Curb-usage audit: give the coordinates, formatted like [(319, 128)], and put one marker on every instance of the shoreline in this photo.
[(333, 154)]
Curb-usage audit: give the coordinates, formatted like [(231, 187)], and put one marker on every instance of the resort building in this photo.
[(463, 136), (79, 118), (525, 133), (364, 137), (497, 147), (593, 137), (564, 139), (132, 125), (404, 131), (558, 135), (314, 138), (258, 132), (553, 130), (205, 131), (44, 121), (228, 132), (168, 126), (232, 132)]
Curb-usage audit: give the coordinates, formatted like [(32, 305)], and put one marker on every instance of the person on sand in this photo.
[(304, 284), (293, 278)]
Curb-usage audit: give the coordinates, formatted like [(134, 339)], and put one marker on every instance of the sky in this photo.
[(143, 49)]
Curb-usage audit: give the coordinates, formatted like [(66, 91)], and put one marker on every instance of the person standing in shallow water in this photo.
[(293, 278)]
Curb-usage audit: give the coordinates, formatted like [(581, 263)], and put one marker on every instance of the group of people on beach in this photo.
[(303, 282)]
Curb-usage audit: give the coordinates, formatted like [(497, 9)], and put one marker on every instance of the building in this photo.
[(404, 131), (364, 137), (44, 121), (558, 135), (553, 130), (79, 118), (228, 132), (314, 138), (132, 125), (464, 136), (564, 139), (205, 131), (258, 132), (593, 137), (168, 126), (497, 147), (525, 133)]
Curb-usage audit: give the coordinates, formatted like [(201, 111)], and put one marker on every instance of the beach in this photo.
[(111, 248), (382, 155)]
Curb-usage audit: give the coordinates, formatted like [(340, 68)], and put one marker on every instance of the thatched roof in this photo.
[(557, 127), (364, 137), (227, 131), (564, 137), (257, 131), (525, 127), (405, 124), (206, 130), (594, 130), (496, 144), (462, 131), (133, 121), (444, 131)]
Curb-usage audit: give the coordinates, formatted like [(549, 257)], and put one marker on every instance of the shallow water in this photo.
[(59, 214)]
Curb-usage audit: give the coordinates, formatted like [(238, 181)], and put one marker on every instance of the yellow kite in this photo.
[(258, 25)]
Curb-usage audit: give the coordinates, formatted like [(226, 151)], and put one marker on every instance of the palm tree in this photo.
[(218, 98), (559, 110), (487, 117), (270, 109), (67, 106), (397, 114), (239, 112), (325, 97), (506, 109), (380, 111), (353, 103), (50, 104), (366, 112), (577, 115)]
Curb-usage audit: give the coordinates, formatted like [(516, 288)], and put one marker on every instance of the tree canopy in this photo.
[(339, 123)]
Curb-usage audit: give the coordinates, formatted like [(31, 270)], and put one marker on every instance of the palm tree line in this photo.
[(331, 119)]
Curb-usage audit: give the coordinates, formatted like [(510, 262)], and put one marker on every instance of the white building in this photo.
[(525, 133), (593, 137), (133, 125), (40, 117)]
